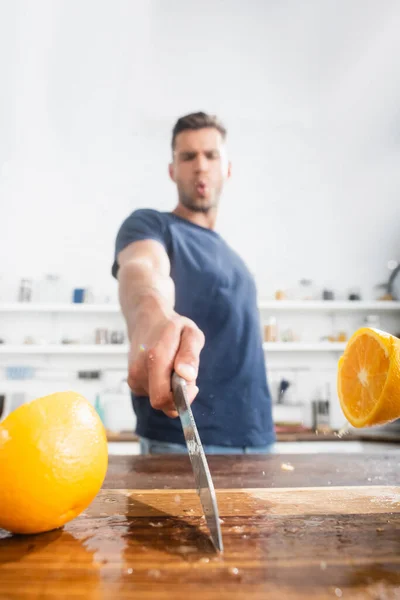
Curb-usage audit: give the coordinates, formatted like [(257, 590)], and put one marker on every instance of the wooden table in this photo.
[(308, 526)]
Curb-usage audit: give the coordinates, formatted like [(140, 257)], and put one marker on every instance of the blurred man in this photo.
[(185, 292)]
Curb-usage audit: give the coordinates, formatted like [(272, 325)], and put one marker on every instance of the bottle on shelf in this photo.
[(25, 290), (271, 330)]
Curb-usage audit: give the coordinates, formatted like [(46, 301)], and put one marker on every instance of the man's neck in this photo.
[(206, 220)]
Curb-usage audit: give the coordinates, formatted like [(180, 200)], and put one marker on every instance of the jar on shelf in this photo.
[(354, 294), (287, 335), (306, 290), (280, 295)]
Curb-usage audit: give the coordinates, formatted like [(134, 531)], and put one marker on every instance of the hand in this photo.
[(175, 344)]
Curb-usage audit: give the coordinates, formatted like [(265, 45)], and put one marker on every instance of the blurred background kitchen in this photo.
[(310, 94)]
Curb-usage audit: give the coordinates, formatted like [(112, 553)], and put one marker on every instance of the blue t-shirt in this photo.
[(214, 288)]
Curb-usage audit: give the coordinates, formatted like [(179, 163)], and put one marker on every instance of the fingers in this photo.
[(179, 348), (187, 359), (160, 364), (170, 411), (135, 381)]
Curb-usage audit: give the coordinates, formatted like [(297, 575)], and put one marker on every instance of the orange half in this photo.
[(368, 379)]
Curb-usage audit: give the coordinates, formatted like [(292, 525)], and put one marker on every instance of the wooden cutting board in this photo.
[(320, 542)]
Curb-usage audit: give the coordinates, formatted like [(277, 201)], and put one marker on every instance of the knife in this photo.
[(202, 476)]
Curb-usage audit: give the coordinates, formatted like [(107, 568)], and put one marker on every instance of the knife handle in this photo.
[(177, 381), (181, 401)]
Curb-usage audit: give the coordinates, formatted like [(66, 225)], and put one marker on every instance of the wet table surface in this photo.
[(308, 526)]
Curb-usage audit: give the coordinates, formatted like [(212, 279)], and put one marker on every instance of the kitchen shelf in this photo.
[(122, 349), (32, 307), (276, 305), (329, 306), (304, 347), (71, 349)]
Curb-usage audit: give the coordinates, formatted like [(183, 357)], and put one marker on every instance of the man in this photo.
[(185, 292)]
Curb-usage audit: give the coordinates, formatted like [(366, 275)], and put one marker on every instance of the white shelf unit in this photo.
[(308, 363), (314, 321), (32, 307), (304, 347), (122, 349), (329, 306), (83, 316), (66, 349), (46, 326), (275, 305)]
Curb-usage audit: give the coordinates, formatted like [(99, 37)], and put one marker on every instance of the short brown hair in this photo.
[(198, 120)]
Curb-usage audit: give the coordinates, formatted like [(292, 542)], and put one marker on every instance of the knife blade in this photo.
[(201, 471)]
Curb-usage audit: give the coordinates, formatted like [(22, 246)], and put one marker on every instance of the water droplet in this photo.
[(338, 592), (187, 549), (263, 472), (234, 571), (155, 573), (221, 521), (369, 478), (343, 430), (245, 537), (159, 524), (129, 571), (287, 467)]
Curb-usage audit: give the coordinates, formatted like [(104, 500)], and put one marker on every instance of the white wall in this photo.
[(309, 92)]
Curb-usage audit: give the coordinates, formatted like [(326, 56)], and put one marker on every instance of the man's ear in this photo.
[(171, 171)]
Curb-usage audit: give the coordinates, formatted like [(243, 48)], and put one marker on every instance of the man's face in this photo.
[(199, 168)]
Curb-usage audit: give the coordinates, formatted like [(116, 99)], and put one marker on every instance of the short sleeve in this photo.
[(142, 224)]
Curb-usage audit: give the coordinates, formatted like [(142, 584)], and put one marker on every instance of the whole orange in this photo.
[(53, 460)]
